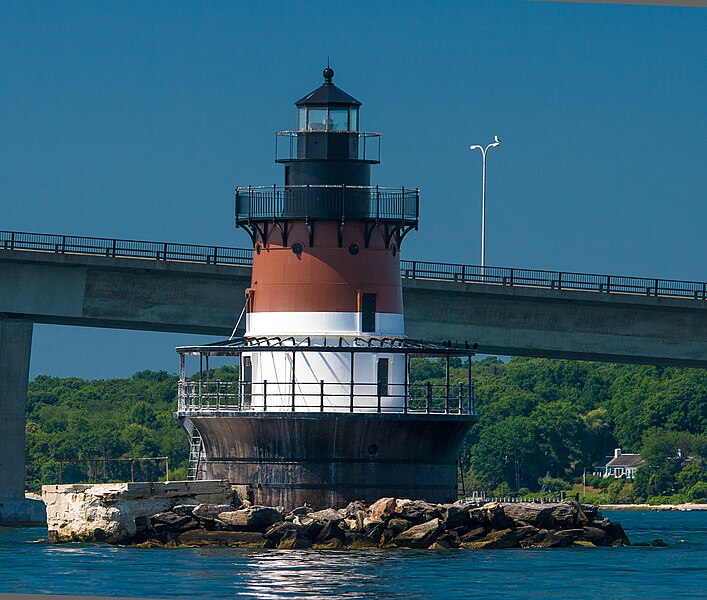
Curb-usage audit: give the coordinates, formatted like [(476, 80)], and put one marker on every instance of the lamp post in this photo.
[(484, 151)]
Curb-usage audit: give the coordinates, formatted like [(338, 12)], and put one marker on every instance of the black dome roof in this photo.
[(328, 94)]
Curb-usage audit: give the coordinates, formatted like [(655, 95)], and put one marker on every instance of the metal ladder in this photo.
[(461, 490), (196, 454)]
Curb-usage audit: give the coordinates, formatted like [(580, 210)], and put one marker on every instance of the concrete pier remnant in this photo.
[(15, 347), (114, 512)]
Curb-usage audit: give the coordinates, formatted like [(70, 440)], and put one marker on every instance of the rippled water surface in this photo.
[(679, 571)]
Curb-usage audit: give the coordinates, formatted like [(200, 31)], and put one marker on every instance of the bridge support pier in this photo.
[(15, 347)]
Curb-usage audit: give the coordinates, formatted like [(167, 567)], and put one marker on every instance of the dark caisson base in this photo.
[(323, 460)]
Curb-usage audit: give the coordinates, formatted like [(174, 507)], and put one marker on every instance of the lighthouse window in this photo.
[(368, 312), (302, 119), (383, 368), (338, 120), (317, 119), (353, 119)]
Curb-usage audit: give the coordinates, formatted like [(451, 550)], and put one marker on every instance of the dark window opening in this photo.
[(247, 381), (368, 312), (383, 367)]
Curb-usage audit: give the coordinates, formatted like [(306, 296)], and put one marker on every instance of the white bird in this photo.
[(496, 139)]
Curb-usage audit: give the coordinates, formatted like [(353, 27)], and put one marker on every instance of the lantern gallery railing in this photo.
[(409, 269), (327, 202), (362, 146), (197, 397)]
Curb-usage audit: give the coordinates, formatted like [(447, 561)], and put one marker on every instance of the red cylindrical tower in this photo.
[(325, 411)]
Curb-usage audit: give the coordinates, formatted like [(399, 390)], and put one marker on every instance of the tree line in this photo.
[(542, 424)]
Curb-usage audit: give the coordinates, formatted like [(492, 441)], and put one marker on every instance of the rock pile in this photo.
[(387, 523)]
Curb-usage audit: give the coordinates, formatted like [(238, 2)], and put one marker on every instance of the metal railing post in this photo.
[(429, 397), (321, 395), (351, 384), (265, 395), (460, 403), (406, 389), (293, 381)]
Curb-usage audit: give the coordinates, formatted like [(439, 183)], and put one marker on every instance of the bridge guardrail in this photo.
[(409, 269), (557, 280), (117, 248)]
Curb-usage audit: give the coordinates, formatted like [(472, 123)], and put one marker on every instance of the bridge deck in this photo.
[(200, 289)]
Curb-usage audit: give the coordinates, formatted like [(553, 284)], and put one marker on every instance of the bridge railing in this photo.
[(558, 280), (116, 248), (409, 269)]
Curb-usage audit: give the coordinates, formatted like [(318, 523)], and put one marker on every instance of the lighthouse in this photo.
[(324, 410)]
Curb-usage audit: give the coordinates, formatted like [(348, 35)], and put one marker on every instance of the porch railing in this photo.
[(238, 396)]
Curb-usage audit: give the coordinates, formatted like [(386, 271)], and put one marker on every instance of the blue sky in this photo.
[(137, 120)]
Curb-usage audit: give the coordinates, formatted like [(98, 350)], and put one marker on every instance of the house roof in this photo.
[(626, 460)]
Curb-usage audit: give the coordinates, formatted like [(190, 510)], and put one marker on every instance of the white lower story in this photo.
[(314, 381), (321, 323)]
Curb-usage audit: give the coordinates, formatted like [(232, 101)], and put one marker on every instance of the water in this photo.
[(679, 571)]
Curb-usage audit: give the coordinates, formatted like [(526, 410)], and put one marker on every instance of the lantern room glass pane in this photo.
[(302, 119), (338, 120), (353, 119), (316, 119)]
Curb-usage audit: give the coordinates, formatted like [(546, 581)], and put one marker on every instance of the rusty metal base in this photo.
[(289, 459)]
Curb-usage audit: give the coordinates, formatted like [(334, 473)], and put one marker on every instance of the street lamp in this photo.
[(495, 143)]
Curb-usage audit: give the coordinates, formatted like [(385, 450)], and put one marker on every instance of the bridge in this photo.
[(159, 286)]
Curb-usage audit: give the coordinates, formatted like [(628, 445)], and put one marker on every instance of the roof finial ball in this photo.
[(328, 74)]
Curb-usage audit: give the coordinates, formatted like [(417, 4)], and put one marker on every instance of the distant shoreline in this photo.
[(654, 507)]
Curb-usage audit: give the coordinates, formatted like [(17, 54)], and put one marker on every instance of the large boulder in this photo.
[(505, 538), (474, 534), (332, 530), (309, 527), (455, 515), (326, 515), (294, 540), (420, 536), (332, 544), (569, 515), (382, 509), (253, 518), (210, 512), (449, 539), (591, 511), (276, 532), (352, 508), (170, 522), (243, 539), (397, 526), (358, 541), (597, 536), (491, 515), (416, 511), (616, 531), (530, 513), (553, 539)]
